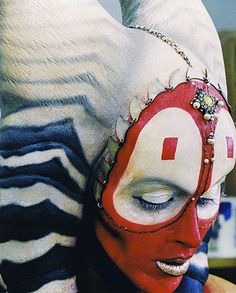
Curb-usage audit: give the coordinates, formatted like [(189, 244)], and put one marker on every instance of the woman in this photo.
[(159, 194)]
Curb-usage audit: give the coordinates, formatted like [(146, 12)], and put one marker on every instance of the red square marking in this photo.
[(169, 148), (230, 147)]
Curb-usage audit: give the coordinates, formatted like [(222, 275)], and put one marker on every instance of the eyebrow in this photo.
[(156, 181)]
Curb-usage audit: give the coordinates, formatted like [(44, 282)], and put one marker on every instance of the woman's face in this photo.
[(162, 196)]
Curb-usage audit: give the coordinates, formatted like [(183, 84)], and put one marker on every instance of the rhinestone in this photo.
[(221, 103), (196, 105), (209, 101), (206, 161), (211, 140), (207, 116), (99, 205)]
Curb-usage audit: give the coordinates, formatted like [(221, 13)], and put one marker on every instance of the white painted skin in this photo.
[(78, 27), (23, 252), (185, 22), (39, 35), (153, 190), (225, 128)]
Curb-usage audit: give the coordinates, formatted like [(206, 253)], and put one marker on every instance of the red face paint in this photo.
[(145, 250), (169, 148), (230, 147), (136, 254)]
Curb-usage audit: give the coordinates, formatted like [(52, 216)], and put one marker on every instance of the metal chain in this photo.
[(166, 40)]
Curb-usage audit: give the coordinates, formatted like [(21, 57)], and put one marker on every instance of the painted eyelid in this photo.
[(157, 197), (209, 192), (212, 192)]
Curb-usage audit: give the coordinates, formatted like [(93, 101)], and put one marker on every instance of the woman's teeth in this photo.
[(175, 268)]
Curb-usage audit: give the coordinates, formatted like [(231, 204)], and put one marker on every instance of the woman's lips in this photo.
[(174, 267)]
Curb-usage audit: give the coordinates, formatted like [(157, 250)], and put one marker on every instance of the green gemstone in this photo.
[(209, 101)]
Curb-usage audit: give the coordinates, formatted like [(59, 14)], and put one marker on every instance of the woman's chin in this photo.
[(167, 283)]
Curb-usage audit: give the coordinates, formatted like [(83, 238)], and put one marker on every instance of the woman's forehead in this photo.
[(224, 147), (170, 147)]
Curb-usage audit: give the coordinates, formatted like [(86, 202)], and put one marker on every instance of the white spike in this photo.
[(155, 88), (136, 107), (121, 128)]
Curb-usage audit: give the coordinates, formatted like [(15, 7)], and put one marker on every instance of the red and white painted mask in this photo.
[(163, 192)]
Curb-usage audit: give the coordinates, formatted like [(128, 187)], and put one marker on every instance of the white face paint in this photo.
[(225, 146), (208, 203), (164, 169)]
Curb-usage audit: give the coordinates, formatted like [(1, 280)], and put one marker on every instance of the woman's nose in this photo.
[(186, 230)]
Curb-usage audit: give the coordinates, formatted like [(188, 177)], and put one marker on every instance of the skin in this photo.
[(35, 64), (218, 285), (147, 204)]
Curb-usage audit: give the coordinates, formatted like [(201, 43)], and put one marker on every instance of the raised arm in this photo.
[(185, 22)]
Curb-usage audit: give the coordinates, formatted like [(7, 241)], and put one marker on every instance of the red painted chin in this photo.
[(153, 280), (136, 255), (149, 277), (159, 282), (141, 256), (140, 250)]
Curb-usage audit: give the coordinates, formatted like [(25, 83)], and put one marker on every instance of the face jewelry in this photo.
[(166, 40), (154, 251), (152, 255)]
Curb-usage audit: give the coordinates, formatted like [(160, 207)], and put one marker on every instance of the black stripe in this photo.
[(51, 173), (11, 104), (45, 146), (86, 41), (87, 77), (29, 223), (57, 264), (80, 59), (16, 140)]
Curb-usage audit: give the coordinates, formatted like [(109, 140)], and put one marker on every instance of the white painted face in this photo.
[(164, 169), (224, 147)]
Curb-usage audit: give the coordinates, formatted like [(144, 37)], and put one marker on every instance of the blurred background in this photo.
[(222, 248)]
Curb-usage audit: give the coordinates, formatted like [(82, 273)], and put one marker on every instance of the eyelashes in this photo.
[(205, 202), (166, 198), (148, 206)]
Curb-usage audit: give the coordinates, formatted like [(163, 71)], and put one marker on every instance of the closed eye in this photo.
[(150, 201), (151, 206), (204, 202), (208, 203)]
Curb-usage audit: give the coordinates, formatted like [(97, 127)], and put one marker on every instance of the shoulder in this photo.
[(216, 284)]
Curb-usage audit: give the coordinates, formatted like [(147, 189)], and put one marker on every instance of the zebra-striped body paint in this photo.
[(64, 72), (53, 63)]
